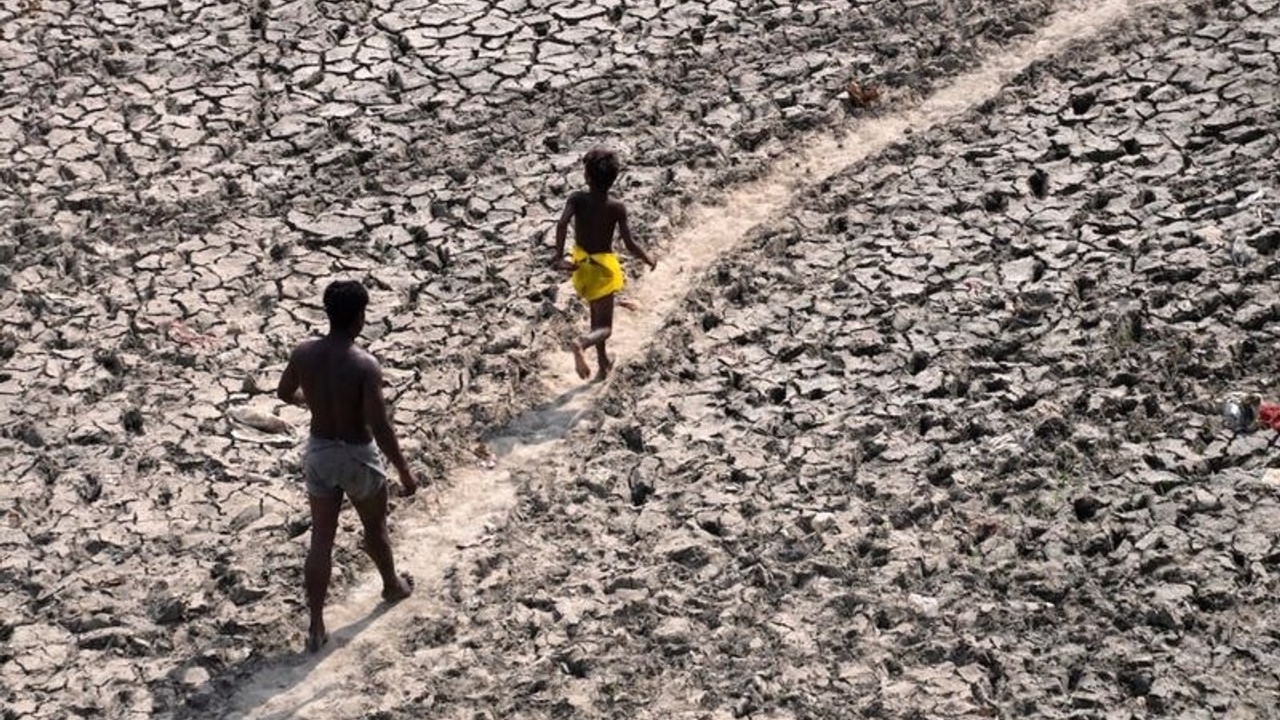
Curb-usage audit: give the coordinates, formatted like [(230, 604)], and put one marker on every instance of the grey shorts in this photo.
[(333, 466)]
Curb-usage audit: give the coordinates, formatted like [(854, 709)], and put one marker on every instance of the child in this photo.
[(597, 275)]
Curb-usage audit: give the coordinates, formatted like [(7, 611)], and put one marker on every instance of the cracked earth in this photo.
[(937, 438)]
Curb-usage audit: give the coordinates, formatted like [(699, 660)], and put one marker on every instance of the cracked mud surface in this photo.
[(181, 180), (940, 442)]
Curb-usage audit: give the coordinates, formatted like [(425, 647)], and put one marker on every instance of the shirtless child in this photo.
[(597, 274), (342, 386)]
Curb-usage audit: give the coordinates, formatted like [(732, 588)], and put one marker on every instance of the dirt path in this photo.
[(478, 498)]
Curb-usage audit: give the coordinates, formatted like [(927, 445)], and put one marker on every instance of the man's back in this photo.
[(333, 377)]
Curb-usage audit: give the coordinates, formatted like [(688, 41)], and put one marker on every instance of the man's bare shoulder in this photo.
[(365, 360), (305, 350)]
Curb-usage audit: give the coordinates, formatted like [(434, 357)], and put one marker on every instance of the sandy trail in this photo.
[(477, 499)]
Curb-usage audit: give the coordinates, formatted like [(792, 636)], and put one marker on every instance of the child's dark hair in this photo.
[(602, 168), (344, 300)]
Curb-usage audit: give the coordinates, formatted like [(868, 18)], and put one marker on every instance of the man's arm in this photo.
[(624, 231), (562, 233), (290, 387), (375, 413)]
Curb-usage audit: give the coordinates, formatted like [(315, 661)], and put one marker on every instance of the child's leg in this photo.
[(601, 329), (602, 323), (580, 360)]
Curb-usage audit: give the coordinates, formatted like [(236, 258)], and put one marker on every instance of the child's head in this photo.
[(601, 167)]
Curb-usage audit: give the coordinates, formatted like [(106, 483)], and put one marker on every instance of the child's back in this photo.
[(595, 219)]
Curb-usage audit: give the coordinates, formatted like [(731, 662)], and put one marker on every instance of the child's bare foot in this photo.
[(403, 589), (603, 372), (580, 362), (316, 639)]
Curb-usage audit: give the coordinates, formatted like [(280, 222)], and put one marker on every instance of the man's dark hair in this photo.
[(344, 300), (602, 168)]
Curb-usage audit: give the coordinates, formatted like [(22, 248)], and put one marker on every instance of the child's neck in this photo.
[(602, 194)]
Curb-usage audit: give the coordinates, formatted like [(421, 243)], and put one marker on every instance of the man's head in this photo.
[(601, 167), (344, 303)]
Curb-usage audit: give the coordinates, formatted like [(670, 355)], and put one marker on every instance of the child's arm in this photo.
[(624, 230), (562, 231)]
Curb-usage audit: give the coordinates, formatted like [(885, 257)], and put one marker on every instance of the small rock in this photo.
[(823, 522), (1023, 271), (691, 556), (927, 606), (297, 525), (1242, 255), (132, 421), (1265, 241), (168, 611), (675, 634), (1137, 682), (1039, 183), (1086, 508), (919, 362), (1163, 618), (195, 676), (641, 491), (575, 662), (632, 437)]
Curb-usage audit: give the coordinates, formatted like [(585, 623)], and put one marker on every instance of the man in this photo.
[(342, 386)]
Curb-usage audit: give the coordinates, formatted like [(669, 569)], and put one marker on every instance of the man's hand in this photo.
[(290, 388), (408, 483), (374, 408)]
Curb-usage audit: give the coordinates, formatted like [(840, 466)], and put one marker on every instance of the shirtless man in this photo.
[(597, 274), (342, 386)]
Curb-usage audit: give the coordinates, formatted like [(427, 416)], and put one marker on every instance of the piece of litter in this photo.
[(260, 420)]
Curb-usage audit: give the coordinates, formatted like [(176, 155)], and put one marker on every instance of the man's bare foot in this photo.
[(316, 639), (580, 362), (402, 590)]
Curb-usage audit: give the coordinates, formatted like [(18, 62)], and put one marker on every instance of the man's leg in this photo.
[(324, 525), (373, 515)]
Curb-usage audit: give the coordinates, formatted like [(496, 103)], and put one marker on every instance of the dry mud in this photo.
[(940, 442), (181, 179)]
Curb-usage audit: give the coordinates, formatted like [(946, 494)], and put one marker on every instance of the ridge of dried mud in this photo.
[(181, 178)]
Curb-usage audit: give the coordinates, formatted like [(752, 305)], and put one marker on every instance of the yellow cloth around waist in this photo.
[(598, 275)]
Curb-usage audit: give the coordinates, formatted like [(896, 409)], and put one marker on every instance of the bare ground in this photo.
[(939, 442)]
